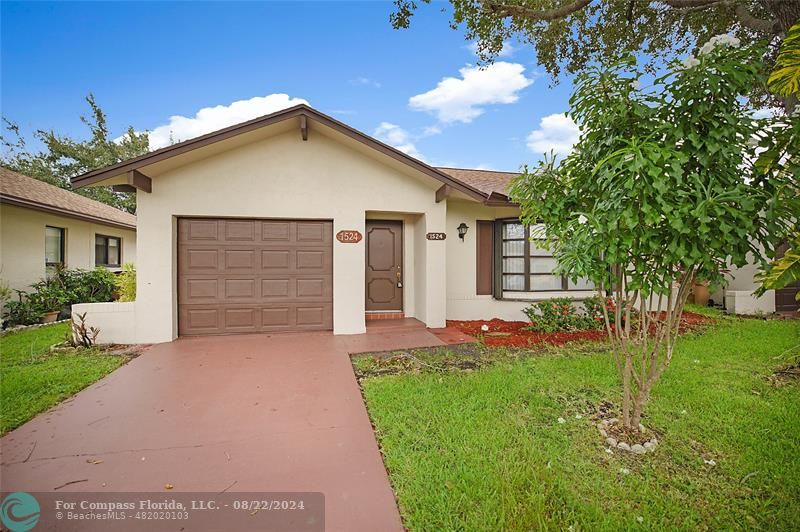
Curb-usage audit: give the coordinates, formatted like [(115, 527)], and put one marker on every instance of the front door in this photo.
[(384, 266)]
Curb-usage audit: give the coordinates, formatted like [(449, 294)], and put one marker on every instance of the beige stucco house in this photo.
[(42, 225), (296, 221)]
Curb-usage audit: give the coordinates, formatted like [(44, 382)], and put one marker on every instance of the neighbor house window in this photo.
[(53, 247), (107, 250), (527, 266)]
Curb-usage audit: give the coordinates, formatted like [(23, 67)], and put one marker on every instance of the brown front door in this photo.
[(252, 275), (384, 266)]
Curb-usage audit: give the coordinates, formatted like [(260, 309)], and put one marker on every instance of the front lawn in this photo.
[(482, 448), (32, 379)]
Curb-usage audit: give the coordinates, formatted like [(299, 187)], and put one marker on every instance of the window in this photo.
[(53, 247), (527, 266), (107, 250)]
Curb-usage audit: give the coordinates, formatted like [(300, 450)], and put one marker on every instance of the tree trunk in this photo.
[(785, 12)]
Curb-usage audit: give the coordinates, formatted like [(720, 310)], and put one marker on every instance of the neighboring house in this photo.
[(737, 296), (42, 226)]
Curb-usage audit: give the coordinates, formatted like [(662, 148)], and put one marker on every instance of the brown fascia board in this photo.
[(28, 204), (495, 199), (101, 174)]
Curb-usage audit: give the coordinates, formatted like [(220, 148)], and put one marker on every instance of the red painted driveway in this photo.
[(236, 413)]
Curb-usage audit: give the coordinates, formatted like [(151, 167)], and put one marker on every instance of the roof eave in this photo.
[(50, 209)]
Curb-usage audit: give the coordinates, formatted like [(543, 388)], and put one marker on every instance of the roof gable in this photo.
[(305, 115)]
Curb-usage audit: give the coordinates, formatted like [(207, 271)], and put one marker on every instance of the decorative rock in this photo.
[(649, 445), (605, 422), (612, 420), (562, 420), (603, 433), (611, 441), (624, 446), (654, 441), (641, 428), (638, 449)]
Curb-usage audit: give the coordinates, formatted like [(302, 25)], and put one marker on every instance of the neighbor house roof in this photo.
[(23, 191), (306, 114)]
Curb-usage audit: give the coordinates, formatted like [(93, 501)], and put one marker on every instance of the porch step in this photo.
[(384, 316)]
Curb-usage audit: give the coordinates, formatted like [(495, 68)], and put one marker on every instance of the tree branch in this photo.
[(514, 10), (753, 23)]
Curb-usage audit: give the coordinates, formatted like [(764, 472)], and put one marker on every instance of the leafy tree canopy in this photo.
[(569, 35), (63, 157), (662, 188)]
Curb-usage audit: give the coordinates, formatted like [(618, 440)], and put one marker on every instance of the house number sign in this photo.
[(348, 236), (436, 236)]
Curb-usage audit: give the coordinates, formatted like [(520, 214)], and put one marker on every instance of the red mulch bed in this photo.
[(516, 336)]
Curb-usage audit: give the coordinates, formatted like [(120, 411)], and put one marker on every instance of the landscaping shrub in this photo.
[(562, 314), (21, 312), (63, 288), (87, 286), (126, 283)]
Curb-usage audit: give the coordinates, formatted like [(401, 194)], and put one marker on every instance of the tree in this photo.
[(572, 34), (780, 156), (660, 191), (63, 157)]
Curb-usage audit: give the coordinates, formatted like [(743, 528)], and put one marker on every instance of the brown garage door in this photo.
[(244, 276)]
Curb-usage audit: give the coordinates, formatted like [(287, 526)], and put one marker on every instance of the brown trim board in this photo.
[(95, 176), (18, 202)]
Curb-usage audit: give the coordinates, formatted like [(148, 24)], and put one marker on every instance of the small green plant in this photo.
[(557, 314), (49, 295), (126, 283), (21, 311)]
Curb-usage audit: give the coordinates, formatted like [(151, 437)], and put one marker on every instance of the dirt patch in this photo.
[(501, 333), (786, 375), (455, 358)]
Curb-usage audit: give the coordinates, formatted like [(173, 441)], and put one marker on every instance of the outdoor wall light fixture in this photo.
[(462, 230)]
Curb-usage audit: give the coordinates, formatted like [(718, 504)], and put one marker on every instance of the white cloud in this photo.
[(507, 50), (398, 137), (361, 80), (463, 99), (556, 132), (431, 130), (210, 119)]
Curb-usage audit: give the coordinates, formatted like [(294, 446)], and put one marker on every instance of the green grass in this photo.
[(32, 379), (483, 450)]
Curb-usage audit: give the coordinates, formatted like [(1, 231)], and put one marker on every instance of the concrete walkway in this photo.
[(235, 413)]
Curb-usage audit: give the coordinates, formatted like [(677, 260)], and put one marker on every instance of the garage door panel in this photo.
[(275, 231), (200, 260), (238, 231), (238, 276)]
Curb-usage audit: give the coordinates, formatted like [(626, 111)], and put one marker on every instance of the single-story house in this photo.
[(42, 225), (296, 221)]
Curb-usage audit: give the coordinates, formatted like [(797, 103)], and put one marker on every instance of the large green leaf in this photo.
[(785, 77)]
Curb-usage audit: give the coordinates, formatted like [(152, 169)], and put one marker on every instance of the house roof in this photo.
[(487, 181), (23, 191), (306, 114)]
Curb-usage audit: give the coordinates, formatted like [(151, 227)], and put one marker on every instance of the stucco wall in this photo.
[(462, 301), (22, 234), (115, 321), (285, 177)]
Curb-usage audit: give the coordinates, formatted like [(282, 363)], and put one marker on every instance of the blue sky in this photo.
[(149, 61)]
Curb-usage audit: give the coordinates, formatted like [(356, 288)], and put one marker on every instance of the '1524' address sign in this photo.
[(436, 236), (348, 236)]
